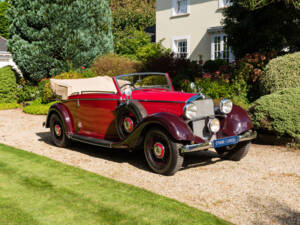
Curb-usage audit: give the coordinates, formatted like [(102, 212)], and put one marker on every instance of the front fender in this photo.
[(236, 122), (63, 112), (174, 125)]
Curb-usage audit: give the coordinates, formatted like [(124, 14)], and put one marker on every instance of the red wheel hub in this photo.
[(159, 150), (128, 124), (57, 130)]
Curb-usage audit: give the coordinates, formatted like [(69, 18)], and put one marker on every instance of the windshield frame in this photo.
[(145, 73)]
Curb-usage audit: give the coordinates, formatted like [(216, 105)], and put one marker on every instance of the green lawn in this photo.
[(38, 190), (4, 106)]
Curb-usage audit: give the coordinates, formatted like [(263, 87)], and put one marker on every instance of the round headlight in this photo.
[(190, 111), (226, 106), (214, 125)]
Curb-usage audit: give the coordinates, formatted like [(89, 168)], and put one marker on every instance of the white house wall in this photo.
[(202, 15)]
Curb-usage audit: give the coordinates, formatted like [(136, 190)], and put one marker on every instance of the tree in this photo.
[(4, 24), (274, 27), (255, 4), (130, 16), (49, 36)]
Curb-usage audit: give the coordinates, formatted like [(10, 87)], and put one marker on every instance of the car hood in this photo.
[(161, 95)]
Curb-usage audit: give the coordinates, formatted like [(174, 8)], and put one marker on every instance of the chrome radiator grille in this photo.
[(205, 108)]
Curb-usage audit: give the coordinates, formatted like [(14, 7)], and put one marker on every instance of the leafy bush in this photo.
[(214, 88), (113, 65), (212, 66), (278, 112), (282, 72), (37, 108), (131, 41), (4, 106), (27, 92), (8, 85), (151, 51), (178, 68)]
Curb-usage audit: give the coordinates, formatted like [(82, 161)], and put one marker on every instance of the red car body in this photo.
[(91, 118)]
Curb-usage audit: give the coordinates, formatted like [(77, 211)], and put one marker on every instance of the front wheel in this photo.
[(235, 152), (162, 153)]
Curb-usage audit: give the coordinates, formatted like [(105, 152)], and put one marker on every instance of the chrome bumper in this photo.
[(249, 135)]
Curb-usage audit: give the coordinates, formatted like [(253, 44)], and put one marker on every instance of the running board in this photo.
[(97, 142)]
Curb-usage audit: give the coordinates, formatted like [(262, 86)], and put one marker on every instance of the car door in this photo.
[(96, 115)]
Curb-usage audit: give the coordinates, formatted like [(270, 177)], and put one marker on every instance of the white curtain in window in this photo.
[(181, 6)]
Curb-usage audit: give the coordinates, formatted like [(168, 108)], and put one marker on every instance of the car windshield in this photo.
[(143, 80)]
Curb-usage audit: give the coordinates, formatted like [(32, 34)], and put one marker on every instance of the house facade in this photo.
[(6, 57), (192, 28)]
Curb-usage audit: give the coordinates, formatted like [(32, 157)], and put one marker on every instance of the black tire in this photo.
[(133, 112), (168, 162), (234, 153), (58, 133)]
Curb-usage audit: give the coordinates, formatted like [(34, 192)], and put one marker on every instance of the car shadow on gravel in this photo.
[(273, 210), (135, 158)]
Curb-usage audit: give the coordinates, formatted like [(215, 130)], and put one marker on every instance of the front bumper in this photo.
[(249, 135)]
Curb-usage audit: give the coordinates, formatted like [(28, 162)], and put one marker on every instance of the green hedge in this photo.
[(278, 113), (282, 72), (8, 85)]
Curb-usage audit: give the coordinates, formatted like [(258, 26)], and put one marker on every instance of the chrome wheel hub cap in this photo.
[(128, 124), (159, 150), (57, 130)]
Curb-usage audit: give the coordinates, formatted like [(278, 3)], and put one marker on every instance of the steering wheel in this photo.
[(127, 84)]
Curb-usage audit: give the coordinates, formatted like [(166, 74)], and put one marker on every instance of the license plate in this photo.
[(225, 141)]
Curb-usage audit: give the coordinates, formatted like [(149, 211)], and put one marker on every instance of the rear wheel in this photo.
[(58, 132), (234, 152), (162, 153)]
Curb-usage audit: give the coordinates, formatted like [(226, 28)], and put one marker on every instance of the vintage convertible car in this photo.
[(134, 110)]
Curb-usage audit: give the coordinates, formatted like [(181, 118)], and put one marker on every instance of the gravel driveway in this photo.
[(263, 188)]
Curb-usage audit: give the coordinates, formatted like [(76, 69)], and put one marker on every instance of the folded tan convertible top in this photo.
[(67, 87)]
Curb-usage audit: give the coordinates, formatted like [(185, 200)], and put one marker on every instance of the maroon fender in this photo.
[(63, 112), (236, 122), (177, 128)]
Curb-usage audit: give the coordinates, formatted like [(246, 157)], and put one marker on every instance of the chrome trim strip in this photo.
[(92, 99), (160, 101), (206, 145)]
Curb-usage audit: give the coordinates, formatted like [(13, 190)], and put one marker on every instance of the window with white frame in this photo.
[(180, 7), (220, 48), (224, 3), (180, 47)]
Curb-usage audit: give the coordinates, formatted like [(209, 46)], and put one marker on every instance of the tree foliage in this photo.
[(255, 4), (275, 26), (130, 15), (4, 24), (47, 35)]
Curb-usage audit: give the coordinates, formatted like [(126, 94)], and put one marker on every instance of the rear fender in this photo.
[(63, 112), (174, 125), (236, 122)]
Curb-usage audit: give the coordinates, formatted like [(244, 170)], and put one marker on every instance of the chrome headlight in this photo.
[(190, 111), (214, 125), (226, 106)]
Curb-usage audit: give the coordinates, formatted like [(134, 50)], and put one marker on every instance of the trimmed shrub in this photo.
[(278, 113), (113, 65), (8, 85), (282, 72)]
